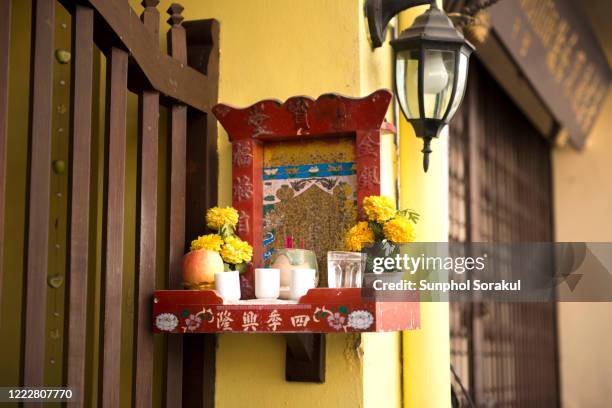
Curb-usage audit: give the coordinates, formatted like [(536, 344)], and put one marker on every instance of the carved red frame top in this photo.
[(302, 116), (330, 115)]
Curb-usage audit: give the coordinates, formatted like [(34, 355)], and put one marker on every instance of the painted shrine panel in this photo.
[(300, 168), (309, 194)]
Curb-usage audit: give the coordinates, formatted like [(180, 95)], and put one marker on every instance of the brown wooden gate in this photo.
[(500, 191), (183, 87)]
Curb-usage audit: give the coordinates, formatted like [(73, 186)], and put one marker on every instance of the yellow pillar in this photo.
[(426, 352)]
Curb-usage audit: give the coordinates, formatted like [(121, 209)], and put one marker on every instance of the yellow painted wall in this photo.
[(269, 48), (278, 49), (426, 355), (583, 199), (426, 351)]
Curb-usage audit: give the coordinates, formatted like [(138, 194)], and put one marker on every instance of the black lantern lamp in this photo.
[(431, 66)]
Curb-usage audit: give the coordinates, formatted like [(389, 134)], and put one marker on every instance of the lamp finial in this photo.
[(426, 150)]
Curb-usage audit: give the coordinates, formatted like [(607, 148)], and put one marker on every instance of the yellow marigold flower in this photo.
[(399, 230), (212, 242), (216, 217), (379, 208), (359, 235), (236, 251)]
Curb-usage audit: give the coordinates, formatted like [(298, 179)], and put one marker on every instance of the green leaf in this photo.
[(343, 309), (412, 215), (241, 268), (226, 267), (225, 231), (184, 313), (377, 229)]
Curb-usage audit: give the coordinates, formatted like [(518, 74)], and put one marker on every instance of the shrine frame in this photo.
[(298, 118)]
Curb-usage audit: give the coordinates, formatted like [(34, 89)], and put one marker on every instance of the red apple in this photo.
[(200, 266)]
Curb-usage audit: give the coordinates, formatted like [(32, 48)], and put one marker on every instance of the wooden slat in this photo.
[(116, 99), (5, 42), (82, 90), (146, 228), (474, 225), (203, 54), (39, 190), (199, 362), (176, 228)]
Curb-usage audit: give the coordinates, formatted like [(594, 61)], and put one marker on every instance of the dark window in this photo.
[(500, 191)]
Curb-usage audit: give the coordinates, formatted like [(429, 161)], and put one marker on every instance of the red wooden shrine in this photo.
[(321, 310), (299, 117)]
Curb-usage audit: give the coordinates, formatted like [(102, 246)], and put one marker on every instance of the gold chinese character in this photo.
[(249, 321), (300, 320), (274, 320), (224, 320)]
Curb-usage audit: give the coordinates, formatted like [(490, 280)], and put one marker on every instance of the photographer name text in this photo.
[(450, 286)]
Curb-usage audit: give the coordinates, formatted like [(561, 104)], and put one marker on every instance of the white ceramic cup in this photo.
[(228, 285), (301, 281), (267, 283)]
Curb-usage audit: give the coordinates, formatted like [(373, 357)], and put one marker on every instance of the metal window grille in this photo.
[(500, 191)]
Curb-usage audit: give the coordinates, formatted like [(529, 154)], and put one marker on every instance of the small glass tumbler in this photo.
[(345, 269)]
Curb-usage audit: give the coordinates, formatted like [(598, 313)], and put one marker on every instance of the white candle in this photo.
[(301, 281), (267, 283), (228, 285)]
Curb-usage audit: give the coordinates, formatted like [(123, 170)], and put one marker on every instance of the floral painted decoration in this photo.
[(336, 321), (360, 319), (384, 223), (166, 322), (236, 253), (193, 322)]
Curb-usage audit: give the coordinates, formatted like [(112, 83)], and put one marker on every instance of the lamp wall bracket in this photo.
[(380, 12)]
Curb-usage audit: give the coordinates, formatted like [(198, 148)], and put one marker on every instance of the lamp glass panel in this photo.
[(461, 84), (407, 82), (438, 79)]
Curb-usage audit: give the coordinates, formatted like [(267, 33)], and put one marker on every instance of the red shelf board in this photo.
[(321, 310)]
